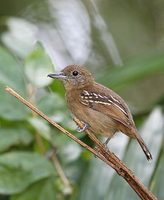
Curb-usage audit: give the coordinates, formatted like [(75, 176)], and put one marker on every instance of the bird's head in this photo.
[(74, 76)]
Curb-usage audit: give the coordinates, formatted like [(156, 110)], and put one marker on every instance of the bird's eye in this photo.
[(75, 73)]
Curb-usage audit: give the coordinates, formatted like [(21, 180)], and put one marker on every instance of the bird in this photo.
[(100, 109)]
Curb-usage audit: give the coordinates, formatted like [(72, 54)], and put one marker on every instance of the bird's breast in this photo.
[(99, 123)]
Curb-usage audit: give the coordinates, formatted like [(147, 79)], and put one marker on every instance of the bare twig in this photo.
[(31, 90), (55, 160), (103, 154)]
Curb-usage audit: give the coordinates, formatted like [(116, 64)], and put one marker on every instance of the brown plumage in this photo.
[(99, 108)]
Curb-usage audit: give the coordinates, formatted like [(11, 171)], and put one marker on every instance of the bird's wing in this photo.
[(108, 104)]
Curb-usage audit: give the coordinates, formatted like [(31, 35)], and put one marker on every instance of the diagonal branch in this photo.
[(105, 155)]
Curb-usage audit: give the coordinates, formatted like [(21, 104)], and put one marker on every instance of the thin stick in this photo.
[(53, 156), (103, 154), (55, 160), (61, 172)]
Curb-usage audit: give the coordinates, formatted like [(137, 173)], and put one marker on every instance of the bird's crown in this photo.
[(74, 76)]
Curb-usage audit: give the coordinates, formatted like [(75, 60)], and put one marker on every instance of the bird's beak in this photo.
[(59, 75)]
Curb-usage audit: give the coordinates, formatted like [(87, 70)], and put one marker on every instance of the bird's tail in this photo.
[(143, 145)]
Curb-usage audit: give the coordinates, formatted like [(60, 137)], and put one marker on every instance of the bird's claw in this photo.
[(99, 149), (106, 142), (85, 127), (105, 146)]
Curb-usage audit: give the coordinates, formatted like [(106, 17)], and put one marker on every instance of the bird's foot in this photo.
[(106, 142), (84, 128), (98, 149)]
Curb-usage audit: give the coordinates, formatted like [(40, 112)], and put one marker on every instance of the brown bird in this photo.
[(101, 110)]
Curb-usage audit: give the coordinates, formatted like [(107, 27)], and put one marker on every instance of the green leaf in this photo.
[(11, 72), (134, 71), (11, 75), (51, 103), (37, 66), (54, 106), (40, 190), (158, 179), (58, 87), (11, 108), (41, 126), (18, 170), (14, 136)]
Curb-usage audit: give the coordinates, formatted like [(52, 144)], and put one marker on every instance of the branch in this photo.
[(53, 157), (103, 154)]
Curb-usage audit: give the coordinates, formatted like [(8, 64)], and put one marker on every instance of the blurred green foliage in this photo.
[(25, 139)]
